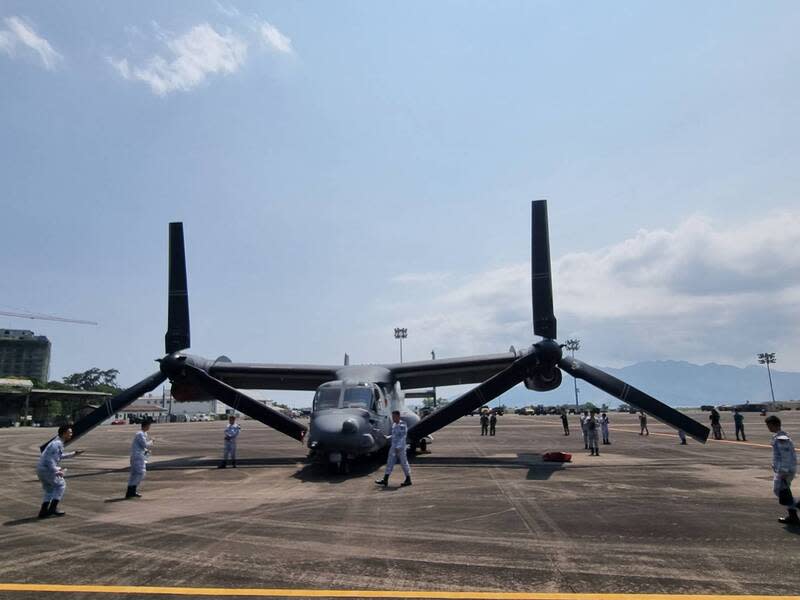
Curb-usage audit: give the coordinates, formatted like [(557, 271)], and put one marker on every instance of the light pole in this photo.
[(572, 345), (767, 358), (400, 333)]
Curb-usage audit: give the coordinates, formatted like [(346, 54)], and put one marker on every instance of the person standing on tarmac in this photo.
[(604, 428), (643, 430), (140, 450), (715, 426), (784, 466), (738, 421), (492, 423), (592, 432), (50, 473), (564, 421), (231, 433), (397, 451), (584, 418), (682, 437), (484, 424)]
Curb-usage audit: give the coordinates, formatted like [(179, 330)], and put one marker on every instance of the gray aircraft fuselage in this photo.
[(351, 416)]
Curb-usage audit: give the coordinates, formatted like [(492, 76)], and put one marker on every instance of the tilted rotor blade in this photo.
[(544, 321), (634, 397), (177, 337), (113, 405), (476, 397), (245, 404)]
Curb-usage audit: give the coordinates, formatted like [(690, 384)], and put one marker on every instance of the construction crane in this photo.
[(44, 317)]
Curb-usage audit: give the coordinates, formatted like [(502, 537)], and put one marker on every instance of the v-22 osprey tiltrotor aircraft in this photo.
[(353, 403)]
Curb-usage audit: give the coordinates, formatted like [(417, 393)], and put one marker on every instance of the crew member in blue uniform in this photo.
[(397, 450), (51, 474), (492, 423), (231, 433), (140, 451), (784, 467), (564, 421)]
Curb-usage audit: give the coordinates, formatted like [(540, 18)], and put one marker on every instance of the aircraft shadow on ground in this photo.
[(538, 469), (317, 472)]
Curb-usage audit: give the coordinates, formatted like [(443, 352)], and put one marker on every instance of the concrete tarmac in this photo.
[(485, 514)]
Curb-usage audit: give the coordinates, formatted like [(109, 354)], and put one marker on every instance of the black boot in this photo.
[(406, 482), (234, 463), (53, 510), (384, 482), (223, 464), (792, 519), (132, 493), (43, 512)]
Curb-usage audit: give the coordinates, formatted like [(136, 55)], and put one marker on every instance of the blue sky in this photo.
[(345, 168)]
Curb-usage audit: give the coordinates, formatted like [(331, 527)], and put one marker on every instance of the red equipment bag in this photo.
[(558, 456)]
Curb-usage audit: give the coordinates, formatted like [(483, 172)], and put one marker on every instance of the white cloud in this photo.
[(700, 293), (21, 33), (274, 39), (192, 58)]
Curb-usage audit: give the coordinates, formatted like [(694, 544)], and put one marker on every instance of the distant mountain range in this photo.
[(677, 383)]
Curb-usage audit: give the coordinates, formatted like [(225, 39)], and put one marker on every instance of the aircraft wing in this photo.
[(451, 371), (273, 376)]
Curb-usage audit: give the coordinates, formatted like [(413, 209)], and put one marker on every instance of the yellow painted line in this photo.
[(301, 593)]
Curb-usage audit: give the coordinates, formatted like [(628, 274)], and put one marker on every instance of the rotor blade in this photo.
[(112, 405), (177, 337), (245, 404), (544, 322), (476, 397), (634, 397)]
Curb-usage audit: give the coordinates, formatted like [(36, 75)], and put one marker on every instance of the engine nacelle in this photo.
[(544, 382)]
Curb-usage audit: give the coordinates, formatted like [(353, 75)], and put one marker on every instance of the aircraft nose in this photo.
[(349, 426)]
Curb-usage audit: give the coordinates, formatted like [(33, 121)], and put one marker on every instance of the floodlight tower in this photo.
[(400, 333), (572, 345), (767, 358)]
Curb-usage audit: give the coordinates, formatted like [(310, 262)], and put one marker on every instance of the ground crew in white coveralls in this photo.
[(397, 450), (584, 418), (784, 465), (51, 474), (604, 428), (140, 450), (231, 433)]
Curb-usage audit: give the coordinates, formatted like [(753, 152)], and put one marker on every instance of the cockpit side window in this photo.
[(358, 397), (327, 398)]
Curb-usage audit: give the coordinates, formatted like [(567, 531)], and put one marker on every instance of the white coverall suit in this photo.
[(784, 465), (231, 433), (140, 450), (49, 470), (583, 430), (397, 449)]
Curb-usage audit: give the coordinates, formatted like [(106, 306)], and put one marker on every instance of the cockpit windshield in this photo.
[(358, 397), (327, 398)]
